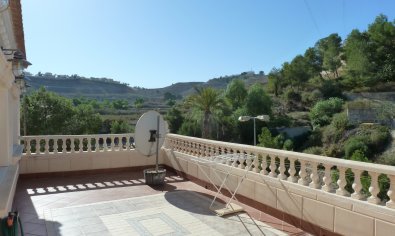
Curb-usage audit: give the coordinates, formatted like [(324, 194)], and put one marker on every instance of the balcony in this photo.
[(283, 192)]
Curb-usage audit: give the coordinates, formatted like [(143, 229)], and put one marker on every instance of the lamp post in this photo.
[(260, 117)]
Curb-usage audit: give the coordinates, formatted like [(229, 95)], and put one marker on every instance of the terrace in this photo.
[(286, 192), (93, 185)]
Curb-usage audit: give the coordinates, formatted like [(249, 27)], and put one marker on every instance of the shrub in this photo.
[(322, 112), (340, 121), (358, 155), (354, 144), (314, 150), (386, 159), (288, 145)]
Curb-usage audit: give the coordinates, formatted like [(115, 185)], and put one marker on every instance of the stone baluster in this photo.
[(89, 144), (28, 147), (273, 166), (128, 143), (46, 147), (282, 169), (302, 173), (81, 145), (120, 143), (112, 139), (264, 165), (105, 143), (256, 162), (315, 178), (55, 145), (64, 145), (234, 164), (241, 159), (327, 179), (38, 146), (391, 192), (292, 171), (374, 188), (342, 182), (357, 186), (72, 144), (249, 161)]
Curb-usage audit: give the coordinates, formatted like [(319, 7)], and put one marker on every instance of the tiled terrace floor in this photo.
[(121, 204)]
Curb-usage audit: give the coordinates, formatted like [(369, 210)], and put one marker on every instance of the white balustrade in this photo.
[(311, 171), (58, 144)]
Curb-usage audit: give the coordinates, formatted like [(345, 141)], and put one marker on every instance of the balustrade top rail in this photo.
[(358, 180), (53, 144), (383, 169)]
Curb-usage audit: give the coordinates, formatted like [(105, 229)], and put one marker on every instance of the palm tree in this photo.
[(207, 100)]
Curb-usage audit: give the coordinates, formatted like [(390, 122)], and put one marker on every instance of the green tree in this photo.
[(382, 33), (360, 66), (330, 49), (236, 93), (296, 73), (206, 100), (120, 104), (257, 101), (120, 127), (275, 81), (85, 120), (48, 113), (138, 103), (175, 119)]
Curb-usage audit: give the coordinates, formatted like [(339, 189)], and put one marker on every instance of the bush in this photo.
[(288, 145), (322, 112), (340, 121), (355, 144), (358, 155), (314, 150), (330, 89), (386, 159)]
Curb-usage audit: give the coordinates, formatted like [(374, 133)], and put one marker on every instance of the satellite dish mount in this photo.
[(150, 133)]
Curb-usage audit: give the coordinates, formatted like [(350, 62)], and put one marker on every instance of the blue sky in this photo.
[(156, 43)]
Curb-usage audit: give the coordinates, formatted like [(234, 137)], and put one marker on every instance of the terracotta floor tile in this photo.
[(35, 195)]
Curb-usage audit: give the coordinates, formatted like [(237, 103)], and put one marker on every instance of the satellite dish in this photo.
[(146, 134)]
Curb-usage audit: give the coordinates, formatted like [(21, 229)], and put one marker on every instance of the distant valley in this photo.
[(102, 88)]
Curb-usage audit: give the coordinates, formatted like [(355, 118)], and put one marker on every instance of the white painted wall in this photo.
[(46, 163)]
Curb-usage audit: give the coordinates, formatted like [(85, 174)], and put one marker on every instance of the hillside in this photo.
[(75, 86)]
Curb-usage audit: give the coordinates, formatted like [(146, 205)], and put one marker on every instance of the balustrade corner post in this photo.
[(327, 179), (342, 182), (315, 179), (357, 185), (391, 192), (374, 188), (292, 171), (303, 174)]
